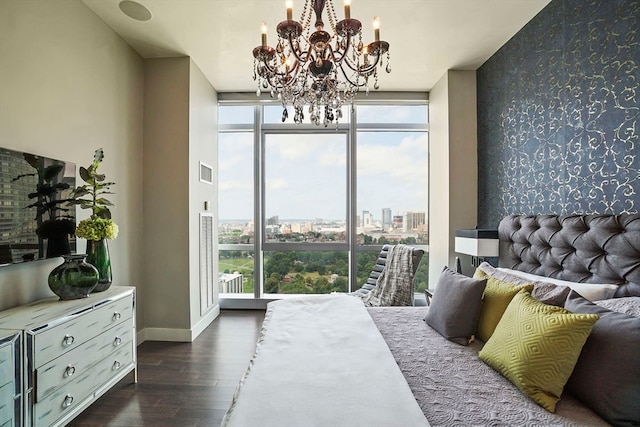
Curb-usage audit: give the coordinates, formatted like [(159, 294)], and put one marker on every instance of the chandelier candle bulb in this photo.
[(289, 10), (264, 34), (376, 28), (347, 9)]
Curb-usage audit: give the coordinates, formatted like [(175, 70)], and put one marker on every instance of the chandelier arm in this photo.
[(341, 54), (273, 72), (336, 59), (300, 55), (362, 69), (346, 77)]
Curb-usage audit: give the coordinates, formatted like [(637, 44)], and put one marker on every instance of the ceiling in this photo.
[(427, 37)]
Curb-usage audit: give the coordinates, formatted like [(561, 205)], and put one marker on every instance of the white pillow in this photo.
[(590, 291)]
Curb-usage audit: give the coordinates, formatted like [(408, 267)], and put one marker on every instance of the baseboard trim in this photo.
[(205, 321), (178, 335)]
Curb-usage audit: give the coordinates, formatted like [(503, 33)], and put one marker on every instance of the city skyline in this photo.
[(310, 171)]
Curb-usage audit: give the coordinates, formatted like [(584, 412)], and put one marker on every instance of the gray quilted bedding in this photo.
[(455, 388)]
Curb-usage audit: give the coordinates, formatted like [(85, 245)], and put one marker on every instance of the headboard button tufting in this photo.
[(577, 247)]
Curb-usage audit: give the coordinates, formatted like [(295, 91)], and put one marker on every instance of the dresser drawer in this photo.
[(77, 361), (6, 363), (6, 403), (66, 398), (51, 343)]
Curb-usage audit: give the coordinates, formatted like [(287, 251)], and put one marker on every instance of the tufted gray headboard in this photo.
[(578, 248)]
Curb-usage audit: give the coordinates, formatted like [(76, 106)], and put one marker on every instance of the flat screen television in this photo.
[(36, 220)]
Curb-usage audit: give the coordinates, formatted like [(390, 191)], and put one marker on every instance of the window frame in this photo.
[(350, 128)]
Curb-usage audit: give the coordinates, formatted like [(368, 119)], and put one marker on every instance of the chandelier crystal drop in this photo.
[(318, 69)]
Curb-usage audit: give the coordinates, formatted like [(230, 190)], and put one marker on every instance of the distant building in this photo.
[(230, 283), (274, 220), (413, 220), (386, 219), (272, 229), (367, 219), (397, 221)]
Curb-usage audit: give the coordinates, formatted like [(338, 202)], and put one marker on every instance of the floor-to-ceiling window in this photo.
[(305, 209)]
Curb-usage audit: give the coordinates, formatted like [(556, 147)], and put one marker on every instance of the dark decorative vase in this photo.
[(98, 256), (74, 278)]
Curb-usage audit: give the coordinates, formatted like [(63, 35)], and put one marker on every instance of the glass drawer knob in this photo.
[(116, 365), (116, 316), (69, 371), (68, 400), (117, 341), (68, 340)]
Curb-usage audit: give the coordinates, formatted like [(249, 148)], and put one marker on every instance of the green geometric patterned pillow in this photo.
[(496, 298), (536, 346)]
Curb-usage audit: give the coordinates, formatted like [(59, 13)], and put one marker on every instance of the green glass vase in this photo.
[(74, 278), (98, 256)]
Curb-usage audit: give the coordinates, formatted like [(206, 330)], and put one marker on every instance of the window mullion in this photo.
[(257, 202)]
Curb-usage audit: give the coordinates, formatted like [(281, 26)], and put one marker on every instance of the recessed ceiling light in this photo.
[(135, 10)]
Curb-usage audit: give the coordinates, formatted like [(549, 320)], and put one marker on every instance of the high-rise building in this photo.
[(274, 220), (367, 219), (413, 220), (386, 218)]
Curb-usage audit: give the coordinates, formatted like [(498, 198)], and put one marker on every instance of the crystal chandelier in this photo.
[(319, 69)]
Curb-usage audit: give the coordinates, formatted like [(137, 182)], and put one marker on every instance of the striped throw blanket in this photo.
[(395, 285)]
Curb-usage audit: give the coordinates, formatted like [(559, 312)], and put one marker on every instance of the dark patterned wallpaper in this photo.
[(559, 114)]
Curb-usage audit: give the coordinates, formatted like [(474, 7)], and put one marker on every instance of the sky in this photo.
[(306, 174)]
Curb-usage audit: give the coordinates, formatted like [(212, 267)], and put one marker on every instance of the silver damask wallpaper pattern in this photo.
[(559, 114)]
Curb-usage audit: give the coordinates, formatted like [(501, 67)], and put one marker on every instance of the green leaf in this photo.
[(102, 212), (103, 202), (22, 176), (99, 177), (33, 160), (80, 191), (85, 175), (51, 172), (98, 156), (61, 186)]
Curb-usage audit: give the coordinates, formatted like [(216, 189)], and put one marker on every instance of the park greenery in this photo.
[(307, 272)]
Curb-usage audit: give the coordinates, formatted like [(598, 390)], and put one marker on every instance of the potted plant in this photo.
[(55, 223), (99, 227)]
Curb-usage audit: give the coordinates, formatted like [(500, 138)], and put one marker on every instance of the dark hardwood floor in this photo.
[(182, 384)]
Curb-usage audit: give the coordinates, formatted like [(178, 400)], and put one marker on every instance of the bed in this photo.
[(330, 361)]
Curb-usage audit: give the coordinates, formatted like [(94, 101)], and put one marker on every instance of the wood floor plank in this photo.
[(182, 384)]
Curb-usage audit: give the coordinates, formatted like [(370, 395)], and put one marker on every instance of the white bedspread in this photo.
[(321, 361)]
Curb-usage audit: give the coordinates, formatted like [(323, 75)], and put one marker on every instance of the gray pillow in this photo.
[(455, 306), (607, 374), (626, 305)]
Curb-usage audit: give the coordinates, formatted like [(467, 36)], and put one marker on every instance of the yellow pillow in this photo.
[(496, 298), (536, 346)]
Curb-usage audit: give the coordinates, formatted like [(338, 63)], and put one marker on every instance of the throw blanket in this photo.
[(455, 388), (320, 361), (395, 285)]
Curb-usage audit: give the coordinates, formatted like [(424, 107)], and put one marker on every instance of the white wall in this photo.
[(203, 147), (70, 85), (166, 196), (179, 131), (453, 166)]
